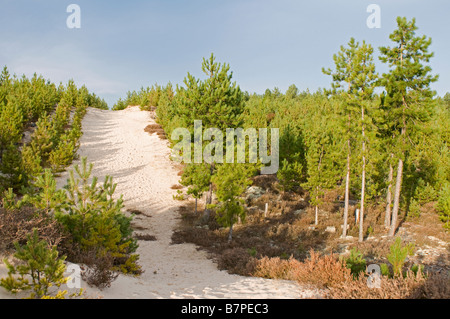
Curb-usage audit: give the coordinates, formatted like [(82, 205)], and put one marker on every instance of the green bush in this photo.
[(356, 263), (398, 254)]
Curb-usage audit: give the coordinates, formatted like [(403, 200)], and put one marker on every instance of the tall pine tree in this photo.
[(216, 101), (354, 80), (408, 95)]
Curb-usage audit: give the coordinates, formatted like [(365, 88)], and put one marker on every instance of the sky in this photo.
[(126, 45)]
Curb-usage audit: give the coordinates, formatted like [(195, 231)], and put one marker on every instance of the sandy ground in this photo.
[(116, 143)]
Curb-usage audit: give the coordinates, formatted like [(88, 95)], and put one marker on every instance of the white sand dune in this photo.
[(116, 143)]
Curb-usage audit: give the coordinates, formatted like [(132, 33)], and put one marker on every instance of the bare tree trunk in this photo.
[(387, 217), (363, 182), (317, 187), (398, 187), (347, 187), (317, 216), (195, 211), (361, 213), (398, 182)]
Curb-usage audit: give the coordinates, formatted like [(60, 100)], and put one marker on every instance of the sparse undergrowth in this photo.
[(286, 244)]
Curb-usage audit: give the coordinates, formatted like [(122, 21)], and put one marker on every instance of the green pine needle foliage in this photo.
[(40, 269), (95, 219)]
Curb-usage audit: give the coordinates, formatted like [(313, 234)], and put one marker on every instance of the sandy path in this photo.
[(116, 143)]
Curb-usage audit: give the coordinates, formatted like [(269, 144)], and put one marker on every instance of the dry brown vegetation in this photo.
[(156, 128), (286, 244), (433, 286), (17, 224), (145, 237)]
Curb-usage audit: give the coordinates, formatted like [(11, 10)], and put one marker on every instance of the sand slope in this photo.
[(116, 143)]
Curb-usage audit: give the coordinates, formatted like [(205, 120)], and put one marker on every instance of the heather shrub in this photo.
[(17, 223), (276, 268), (322, 271), (237, 261), (99, 271), (410, 286)]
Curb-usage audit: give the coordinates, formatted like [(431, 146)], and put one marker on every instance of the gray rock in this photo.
[(298, 212), (330, 229), (254, 192)]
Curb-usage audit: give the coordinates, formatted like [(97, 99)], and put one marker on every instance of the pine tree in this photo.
[(11, 124), (289, 175), (216, 101), (323, 153), (197, 177), (5, 84), (231, 181), (408, 94), (43, 138), (94, 218), (31, 163), (353, 81), (63, 154), (12, 172), (40, 264), (443, 205), (47, 198)]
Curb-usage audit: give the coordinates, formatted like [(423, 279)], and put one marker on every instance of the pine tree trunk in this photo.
[(398, 187), (207, 211), (398, 182), (195, 211), (230, 234), (347, 187), (361, 213), (317, 187), (363, 181), (387, 217), (317, 216)]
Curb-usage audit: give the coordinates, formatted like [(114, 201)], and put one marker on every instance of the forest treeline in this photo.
[(40, 126), (43, 226), (376, 138)]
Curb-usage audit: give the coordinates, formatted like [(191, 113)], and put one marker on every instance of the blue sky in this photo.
[(123, 45)]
